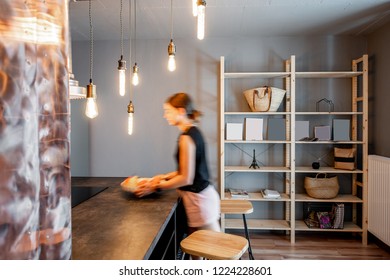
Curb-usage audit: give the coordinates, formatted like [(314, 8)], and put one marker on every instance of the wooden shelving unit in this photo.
[(290, 170)]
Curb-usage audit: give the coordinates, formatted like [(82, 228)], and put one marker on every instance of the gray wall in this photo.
[(112, 152), (379, 83)]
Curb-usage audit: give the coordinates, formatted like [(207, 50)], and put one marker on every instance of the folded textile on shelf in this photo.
[(270, 193)]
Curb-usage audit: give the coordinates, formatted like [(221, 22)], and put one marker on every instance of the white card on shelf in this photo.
[(341, 130), (253, 129), (322, 132), (301, 129), (234, 131)]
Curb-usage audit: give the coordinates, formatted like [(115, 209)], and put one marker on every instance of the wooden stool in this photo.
[(243, 207), (214, 245)]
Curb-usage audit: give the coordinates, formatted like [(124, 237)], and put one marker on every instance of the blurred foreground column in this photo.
[(35, 206)]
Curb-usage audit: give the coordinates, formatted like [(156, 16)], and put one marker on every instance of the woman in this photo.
[(200, 199)]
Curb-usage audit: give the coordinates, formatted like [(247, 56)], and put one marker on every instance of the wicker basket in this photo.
[(327, 187), (264, 99)]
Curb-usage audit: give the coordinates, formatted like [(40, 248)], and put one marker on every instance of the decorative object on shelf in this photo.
[(329, 102), (324, 220), (310, 210), (264, 99), (301, 130), (315, 165), (234, 131), (341, 130), (324, 215), (269, 194), (322, 132), (253, 129), (344, 158), (312, 220), (238, 193), (327, 187), (338, 215), (254, 164)]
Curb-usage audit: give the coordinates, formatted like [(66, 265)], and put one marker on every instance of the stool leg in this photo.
[(247, 237)]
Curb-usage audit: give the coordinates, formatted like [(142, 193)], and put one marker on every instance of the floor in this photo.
[(314, 246)]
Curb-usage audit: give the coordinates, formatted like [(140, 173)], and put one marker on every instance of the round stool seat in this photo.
[(214, 245), (231, 206)]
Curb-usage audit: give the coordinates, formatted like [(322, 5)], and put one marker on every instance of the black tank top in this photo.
[(201, 178)]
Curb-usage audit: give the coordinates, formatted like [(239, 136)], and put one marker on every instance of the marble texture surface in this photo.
[(35, 206)]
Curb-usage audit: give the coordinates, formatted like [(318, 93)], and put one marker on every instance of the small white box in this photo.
[(322, 132), (253, 129), (234, 131)]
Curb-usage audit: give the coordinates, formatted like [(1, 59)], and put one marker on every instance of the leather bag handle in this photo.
[(267, 91)]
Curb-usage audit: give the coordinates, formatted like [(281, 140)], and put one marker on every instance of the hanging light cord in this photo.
[(120, 16), (171, 20), (130, 84), (91, 42), (135, 31)]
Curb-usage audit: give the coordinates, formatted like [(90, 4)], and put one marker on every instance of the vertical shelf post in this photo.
[(292, 156), (222, 135)]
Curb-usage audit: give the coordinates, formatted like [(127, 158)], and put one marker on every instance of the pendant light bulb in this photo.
[(171, 63), (195, 8), (122, 76), (130, 123), (201, 18), (135, 79), (171, 56), (91, 110)]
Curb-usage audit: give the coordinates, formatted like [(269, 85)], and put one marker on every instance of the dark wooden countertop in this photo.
[(93, 182), (115, 225)]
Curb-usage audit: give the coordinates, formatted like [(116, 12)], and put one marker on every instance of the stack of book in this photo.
[(238, 193), (270, 193)]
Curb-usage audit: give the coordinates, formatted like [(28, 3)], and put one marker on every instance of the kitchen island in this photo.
[(116, 225)]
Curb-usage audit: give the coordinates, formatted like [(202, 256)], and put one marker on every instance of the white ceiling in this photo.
[(229, 18)]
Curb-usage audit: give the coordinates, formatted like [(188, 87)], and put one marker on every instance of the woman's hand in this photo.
[(146, 187)]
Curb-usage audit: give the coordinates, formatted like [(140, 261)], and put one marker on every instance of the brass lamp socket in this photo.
[(171, 48), (201, 3), (135, 68), (130, 108), (91, 90), (121, 64)]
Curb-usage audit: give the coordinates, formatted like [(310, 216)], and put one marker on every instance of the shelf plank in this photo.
[(329, 142), (328, 74), (326, 169), (255, 113), (261, 169), (258, 224), (257, 196), (348, 227), (328, 113), (267, 75), (257, 142), (346, 198)]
